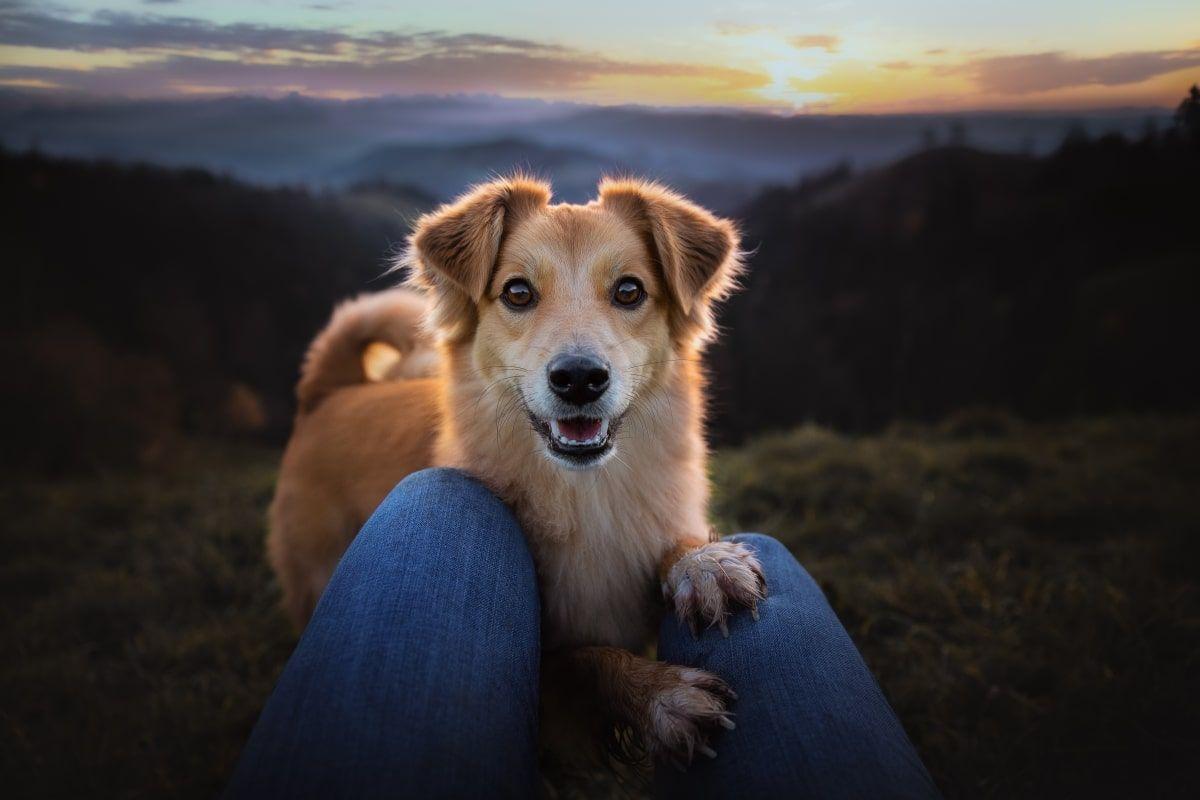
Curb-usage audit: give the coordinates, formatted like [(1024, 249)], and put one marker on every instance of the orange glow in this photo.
[(852, 68)]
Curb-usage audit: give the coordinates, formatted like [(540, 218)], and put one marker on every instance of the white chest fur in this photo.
[(598, 542), (598, 583)]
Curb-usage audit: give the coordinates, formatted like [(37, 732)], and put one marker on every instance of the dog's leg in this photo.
[(705, 582), (661, 710)]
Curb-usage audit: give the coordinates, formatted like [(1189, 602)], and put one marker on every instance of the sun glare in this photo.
[(782, 62)]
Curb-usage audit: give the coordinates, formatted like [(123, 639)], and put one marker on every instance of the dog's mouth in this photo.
[(581, 441)]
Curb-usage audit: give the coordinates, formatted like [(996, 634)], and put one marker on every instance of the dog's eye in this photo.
[(628, 292), (517, 294)]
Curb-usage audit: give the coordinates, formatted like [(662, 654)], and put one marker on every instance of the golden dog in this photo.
[(365, 418), (569, 339)]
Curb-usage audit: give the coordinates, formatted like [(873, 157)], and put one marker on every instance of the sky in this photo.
[(869, 56)]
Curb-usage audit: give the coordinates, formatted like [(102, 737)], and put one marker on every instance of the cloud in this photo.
[(20, 25), (434, 73), (935, 51), (1041, 72), (181, 54), (737, 28), (897, 65), (816, 41)]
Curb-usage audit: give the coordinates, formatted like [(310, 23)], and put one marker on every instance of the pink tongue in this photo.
[(579, 430)]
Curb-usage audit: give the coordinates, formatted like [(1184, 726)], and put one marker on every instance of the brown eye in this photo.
[(517, 294), (628, 292)]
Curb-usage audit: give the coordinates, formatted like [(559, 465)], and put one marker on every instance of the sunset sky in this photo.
[(842, 56)]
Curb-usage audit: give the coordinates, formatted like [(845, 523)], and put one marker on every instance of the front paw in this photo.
[(707, 583), (686, 708)]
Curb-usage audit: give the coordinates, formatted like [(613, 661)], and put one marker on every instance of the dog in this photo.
[(365, 418), (569, 341)]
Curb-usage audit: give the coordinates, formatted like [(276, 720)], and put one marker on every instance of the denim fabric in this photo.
[(418, 675), (811, 720)]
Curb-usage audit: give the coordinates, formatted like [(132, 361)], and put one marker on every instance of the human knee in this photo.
[(783, 572), (447, 505), (438, 494), (431, 483), (767, 547)]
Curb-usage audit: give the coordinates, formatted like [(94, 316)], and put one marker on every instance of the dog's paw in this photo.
[(685, 710), (706, 584)]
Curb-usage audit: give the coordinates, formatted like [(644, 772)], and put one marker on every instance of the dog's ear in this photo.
[(698, 252), (453, 250)]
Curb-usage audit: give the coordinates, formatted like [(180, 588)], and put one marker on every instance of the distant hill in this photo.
[(291, 139), (1052, 286), (721, 155), (140, 301), (444, 171)]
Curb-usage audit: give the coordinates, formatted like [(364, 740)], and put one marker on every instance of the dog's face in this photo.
[(575, 322), (573, 313)]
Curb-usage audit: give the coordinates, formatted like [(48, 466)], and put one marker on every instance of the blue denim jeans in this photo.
[(418, 675)]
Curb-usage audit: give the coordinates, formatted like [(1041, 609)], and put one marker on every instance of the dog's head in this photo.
[(574, 313)]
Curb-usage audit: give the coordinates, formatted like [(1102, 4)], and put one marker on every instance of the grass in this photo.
[(1027, 595), (139, 629)]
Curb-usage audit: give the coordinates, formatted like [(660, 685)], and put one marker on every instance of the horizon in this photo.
[(837, 59), (43, 98)]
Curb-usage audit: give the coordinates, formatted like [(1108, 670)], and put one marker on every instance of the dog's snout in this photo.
[(578, 379)]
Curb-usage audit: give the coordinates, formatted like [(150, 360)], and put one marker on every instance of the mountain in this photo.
[(444, 170), (1051, 286), (286, 140), (723, 155)]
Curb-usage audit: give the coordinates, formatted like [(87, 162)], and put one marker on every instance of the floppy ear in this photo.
[(453, 249), (698, 251)]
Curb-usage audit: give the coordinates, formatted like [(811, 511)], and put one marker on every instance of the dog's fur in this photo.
[(367, 415), (607, 536)]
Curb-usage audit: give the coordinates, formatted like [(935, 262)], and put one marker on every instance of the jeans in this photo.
[(418, 675)]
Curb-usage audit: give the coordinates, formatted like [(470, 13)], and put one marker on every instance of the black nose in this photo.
[(577, 379)]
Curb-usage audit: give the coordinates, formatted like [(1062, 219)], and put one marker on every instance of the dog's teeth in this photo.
[(556, 432)]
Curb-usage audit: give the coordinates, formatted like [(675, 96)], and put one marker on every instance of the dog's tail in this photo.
[(372, 337)]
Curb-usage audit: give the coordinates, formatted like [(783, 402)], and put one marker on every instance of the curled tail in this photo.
[(371, 337)]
